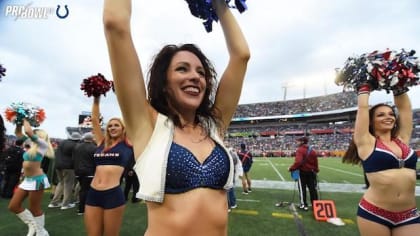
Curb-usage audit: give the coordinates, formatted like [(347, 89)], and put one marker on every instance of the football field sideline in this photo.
[(323, 187)]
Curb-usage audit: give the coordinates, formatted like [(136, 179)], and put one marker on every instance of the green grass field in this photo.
[(255, 215), (331, 170)]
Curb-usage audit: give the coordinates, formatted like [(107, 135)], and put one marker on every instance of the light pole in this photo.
[(285, 85)]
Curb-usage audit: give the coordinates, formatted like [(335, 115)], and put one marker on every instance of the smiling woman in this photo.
[(105, 201), (380, 144), (177, 127)]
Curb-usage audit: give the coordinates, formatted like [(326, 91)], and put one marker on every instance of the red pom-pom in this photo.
[(40, 116), (96, 85), (18, 111), (10, 114)]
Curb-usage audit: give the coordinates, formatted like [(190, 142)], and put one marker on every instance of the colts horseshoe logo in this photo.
[(57, 12)]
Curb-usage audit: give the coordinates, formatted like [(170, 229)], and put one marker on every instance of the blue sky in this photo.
[(294, 45)]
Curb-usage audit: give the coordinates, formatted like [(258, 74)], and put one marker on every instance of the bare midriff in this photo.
[(107, 177), (201, 211), (392, 189), (31, 168)]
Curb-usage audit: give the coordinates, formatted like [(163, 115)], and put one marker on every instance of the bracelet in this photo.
[(364, 89), (360, 93), (399, 91)]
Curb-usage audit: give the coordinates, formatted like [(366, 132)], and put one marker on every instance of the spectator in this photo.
[(13, 162), (2, 134), (64, 166), (246, 158), (238, 173), (131, 181), (306, 162), (84, 167), (2, 146)]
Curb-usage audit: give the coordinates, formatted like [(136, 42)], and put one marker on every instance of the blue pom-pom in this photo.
[(203, 9), (2, 71)]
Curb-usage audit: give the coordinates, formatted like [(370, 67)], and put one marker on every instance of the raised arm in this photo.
[(96, 123), (362, 138), (18, 131), (230, 85), (126, 69), (27, 128), (403, 104)]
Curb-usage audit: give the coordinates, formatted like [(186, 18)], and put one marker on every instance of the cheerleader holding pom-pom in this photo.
[(35, 180), (176, 122), (96, 85), (381, 139)]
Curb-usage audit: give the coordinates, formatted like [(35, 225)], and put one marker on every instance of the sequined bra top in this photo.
[(382, 158), (184, 172)]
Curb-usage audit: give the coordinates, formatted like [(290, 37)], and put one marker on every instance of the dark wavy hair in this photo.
[(157, 82), (351, 155), (2, 134)]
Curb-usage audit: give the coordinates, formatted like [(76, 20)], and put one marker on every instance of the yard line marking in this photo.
[(348, 221), (299, 223), (245, 212), (275, 169), (342, 171), (247, 200), (284, 215)]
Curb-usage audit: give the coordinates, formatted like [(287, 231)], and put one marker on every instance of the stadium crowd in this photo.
[(330, 102), (277, 139)]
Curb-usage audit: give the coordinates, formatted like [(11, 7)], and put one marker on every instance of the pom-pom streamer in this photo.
[(388, 70), (17, 111), (203, 9), (96, 85)]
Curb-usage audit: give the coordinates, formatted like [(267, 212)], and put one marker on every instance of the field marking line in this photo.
[(298, 221), (247, 200), (275, 169), (348, 221), (342, 171), (245, 212), (284, 215)]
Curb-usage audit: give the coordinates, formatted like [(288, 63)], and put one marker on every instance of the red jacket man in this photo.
[(307, 164)]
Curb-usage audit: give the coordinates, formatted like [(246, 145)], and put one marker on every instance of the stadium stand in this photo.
[(270, 128)]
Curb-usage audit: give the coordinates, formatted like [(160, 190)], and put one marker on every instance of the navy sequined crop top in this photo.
[(120, 154), (382, 158), (184, 172)]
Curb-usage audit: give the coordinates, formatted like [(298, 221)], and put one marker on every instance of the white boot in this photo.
[(40, 221), (27, 217)]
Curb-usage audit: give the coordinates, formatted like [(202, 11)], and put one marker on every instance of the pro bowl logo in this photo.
[(30, 11)]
